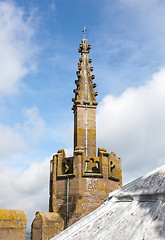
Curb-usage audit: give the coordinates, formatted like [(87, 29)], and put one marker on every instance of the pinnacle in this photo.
[(84, 93)]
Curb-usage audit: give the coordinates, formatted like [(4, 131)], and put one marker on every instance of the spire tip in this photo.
[(84, 31)]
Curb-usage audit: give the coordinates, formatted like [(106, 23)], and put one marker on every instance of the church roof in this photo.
[(135, 211)]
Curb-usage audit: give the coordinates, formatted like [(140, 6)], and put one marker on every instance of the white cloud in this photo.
[(21, 136), (133, 126), (20, 189), (16, 48), (69, 151), (26, 190), (34, 126), (10, 141)]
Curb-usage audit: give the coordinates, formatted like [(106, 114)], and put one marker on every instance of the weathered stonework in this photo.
[(46, 225), (12, 224), (79, 184), (90, 181), (80, 116)]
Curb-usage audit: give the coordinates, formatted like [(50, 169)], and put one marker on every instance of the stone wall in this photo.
[(12, 224)]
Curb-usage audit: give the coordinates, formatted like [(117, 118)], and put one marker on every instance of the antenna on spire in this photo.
[(84, 31)]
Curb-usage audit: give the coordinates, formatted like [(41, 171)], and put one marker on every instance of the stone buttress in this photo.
[(79, 184)]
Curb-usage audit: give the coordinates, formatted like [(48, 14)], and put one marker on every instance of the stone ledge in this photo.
[(12, 219)]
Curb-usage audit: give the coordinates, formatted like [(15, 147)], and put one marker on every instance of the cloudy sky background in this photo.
[(38, 60)]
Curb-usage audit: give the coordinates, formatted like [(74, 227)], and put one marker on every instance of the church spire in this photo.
[(84, 93), (85, 99)]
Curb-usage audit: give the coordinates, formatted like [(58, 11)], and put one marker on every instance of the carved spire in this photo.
[(84, 93)]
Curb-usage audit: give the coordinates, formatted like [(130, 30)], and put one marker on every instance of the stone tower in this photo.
[(79, 184)]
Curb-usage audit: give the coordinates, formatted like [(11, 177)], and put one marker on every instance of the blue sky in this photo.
[(38, 64)]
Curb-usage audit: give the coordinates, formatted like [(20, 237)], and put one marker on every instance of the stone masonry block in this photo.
[(12, 224)]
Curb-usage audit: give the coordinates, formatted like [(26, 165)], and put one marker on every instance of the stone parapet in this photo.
[(46, 225), (12, 224)]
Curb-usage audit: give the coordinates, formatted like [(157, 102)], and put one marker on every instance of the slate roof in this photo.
[(133, 212)]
